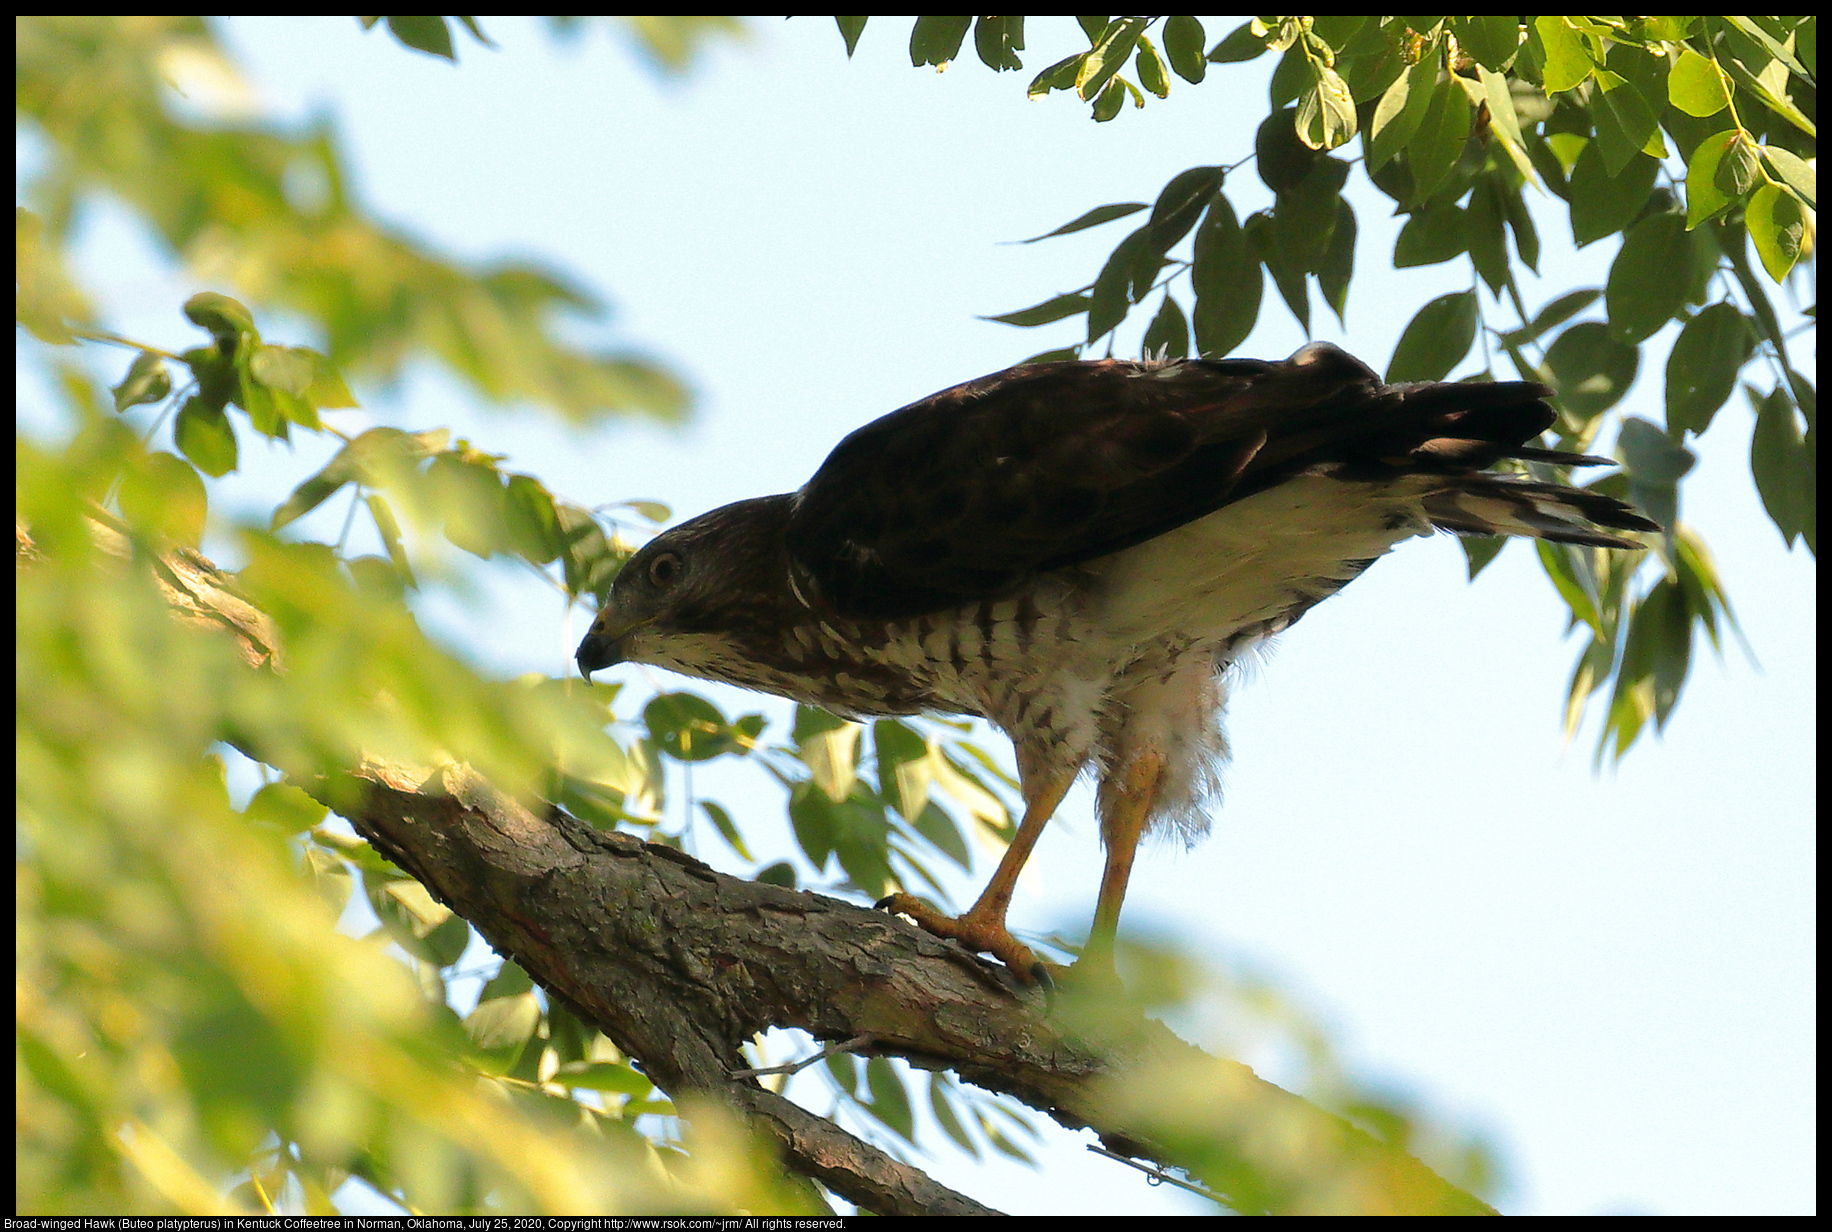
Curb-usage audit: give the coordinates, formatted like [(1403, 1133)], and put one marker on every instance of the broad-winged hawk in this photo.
[(1076, 551)]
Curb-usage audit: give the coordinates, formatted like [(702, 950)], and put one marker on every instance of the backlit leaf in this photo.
[(1703, 365), (1438, 337), (1643, 294)]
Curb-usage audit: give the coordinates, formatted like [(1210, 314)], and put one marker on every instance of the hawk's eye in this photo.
[(665, 569)]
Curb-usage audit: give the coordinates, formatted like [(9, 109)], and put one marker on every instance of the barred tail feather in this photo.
[(1499, 505)]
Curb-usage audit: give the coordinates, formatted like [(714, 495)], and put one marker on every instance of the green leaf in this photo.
[(1490, 40), (1150, 67), (162, 493), (1783, 467), (204, 434), (781, 873), (501, 1028), (424, 33), (830, 753), (1738, 168), (390, 531), (1183, 39), (1703, 365), (727, 828), (1438, 144), (1504, 122), (890, 1102), (1326, 112), (904, 772), (688, 727), (934, 824), (850, 30), (1286, 276), (1240, 44), (1112, 293), (531, 524), (1436, 340), (861, 842), (1589, 370), (1168, 335), (1480, 550), (1305, 216), (1282, 160), (417, 923), (1227, 280), (1053, 309), (1338, 264), (1525, 233), (287, 374), (1107, 57), (1093, 218), (326, 390), (1602, 204), (1568, 62), (226, 319), (1655, 464), (1487, 235), (1777, 227), (1623, 119), (941, 1099), (281, 368), (1705, 196), (1400, 112), (146, 381), (1181, 203), (1696, 85), (1643, 292), (1795, 172), (470, 498), (813, 818), (286, 808), (1553, 315), (937, 40), (1058, 76), (998, 40), (1110, 101), (614, 1076), (1431, 236)]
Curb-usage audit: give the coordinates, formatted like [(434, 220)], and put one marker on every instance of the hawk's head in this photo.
[(694, 589)]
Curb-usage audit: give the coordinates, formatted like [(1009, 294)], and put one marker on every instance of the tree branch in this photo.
[(679, 964)]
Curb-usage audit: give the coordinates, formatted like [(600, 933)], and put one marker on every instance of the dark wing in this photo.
[(965, 494)]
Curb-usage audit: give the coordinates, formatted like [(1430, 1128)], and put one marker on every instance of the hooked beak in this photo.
[(603, 647)]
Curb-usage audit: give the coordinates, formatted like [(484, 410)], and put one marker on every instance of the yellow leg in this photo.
[(1121, 829), (982, 929)]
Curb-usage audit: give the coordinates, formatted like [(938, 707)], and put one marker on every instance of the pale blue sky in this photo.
[(1611, 974)]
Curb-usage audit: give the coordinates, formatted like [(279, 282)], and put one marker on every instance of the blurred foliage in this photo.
[(269, 211), (193, 1033), (1692, 138)]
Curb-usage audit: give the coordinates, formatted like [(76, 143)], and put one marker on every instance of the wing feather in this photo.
[(966, 494)]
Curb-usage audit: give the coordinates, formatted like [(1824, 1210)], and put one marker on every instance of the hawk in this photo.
[(1076, 552)]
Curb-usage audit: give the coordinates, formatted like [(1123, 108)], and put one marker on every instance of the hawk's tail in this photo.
[(1490, 504)]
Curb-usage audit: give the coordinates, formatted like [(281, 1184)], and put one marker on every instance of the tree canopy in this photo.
[(193, 1031)]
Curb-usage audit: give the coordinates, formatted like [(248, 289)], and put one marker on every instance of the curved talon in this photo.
[(980, 932)]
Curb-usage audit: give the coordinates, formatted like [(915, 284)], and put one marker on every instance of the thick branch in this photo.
[(679, 965)]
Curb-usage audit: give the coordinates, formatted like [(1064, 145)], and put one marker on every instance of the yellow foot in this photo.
[(981, 933)]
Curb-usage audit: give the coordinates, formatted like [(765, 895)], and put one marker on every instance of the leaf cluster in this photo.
[(272, 212), (1689, 138)]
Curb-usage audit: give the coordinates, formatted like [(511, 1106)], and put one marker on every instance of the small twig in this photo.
[(795, 1067), (1157, 1175)]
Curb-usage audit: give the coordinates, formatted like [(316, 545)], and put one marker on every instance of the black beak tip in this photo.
[(597, 653)]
